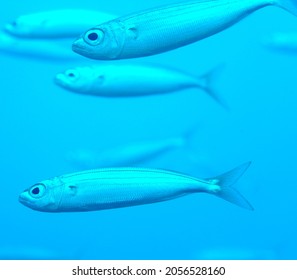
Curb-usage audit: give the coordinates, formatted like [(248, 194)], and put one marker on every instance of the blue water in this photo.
[(41, 122)]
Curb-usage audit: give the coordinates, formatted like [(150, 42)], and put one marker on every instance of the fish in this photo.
[(134, 80), (109, 188), (282, 41), (162, 29), (68, 23), (37, 49), (132, 154)]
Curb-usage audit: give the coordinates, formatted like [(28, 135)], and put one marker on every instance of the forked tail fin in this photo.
[(188, 136), (226, 191), (209, 84)]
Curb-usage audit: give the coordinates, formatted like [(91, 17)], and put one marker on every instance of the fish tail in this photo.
[(189, 134), (226, 191), (209, 84), (288, 5)]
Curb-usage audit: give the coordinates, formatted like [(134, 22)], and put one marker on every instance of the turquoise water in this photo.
[(42, 123)]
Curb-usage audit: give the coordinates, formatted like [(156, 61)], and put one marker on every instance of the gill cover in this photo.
[(46, 196)]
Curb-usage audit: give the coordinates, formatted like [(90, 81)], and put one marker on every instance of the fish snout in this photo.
[(78, 46), (10, 27), (59, 78), (22, 197)]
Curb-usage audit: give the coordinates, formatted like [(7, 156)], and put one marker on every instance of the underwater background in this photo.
[(42, 123)]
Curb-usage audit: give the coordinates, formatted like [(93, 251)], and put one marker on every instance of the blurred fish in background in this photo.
[(132, 154), (285, 42), (132, 80), (38, 49), (55, 24), (48, 35)]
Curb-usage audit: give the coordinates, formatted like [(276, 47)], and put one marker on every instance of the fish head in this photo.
[(79, 79), (6, 41), (44, 196), (103, 42), (27, 26)]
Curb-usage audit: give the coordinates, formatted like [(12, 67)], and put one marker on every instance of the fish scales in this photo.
[(109, 187), (124, 173), (184, 20)]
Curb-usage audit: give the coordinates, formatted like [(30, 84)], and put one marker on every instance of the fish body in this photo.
[(166, 28), (132, 80), (283, 42), (37, 49), (127, 155), (122, 187), (56, 24)]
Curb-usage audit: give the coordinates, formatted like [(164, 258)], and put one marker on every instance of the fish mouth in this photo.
[(13, 30), (59, 79), (8, 27), (78, 46), (22, 199), (62, 82)]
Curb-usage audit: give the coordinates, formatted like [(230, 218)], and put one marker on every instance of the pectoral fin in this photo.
[(132, 32), (73, 190)]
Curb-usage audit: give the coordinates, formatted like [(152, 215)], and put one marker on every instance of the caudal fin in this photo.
[(288, 5), (188, 136), (209, 84), (226, 191)]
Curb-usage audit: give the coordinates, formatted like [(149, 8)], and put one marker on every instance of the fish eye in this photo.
[(94, 37), (37, 190), (72, 74), (14, 23)]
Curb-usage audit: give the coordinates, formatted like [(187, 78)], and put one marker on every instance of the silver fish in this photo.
[(131, 154), (126, 80), (55, 24), (282, 41), (122, 187), (37, 49), (166, 28)]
